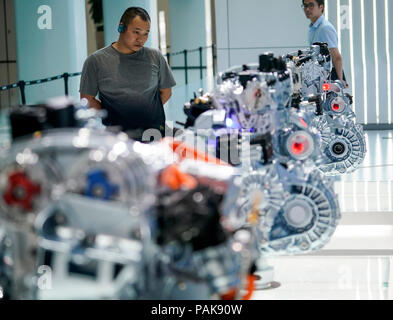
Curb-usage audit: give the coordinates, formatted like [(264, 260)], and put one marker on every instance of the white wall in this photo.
[(367, 50), (246, 28)]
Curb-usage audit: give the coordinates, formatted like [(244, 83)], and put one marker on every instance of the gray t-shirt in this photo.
[(128, 86)]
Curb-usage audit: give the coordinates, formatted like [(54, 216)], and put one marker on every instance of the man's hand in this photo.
[(345, 84), (338, 64), (165, 95), (92, 101)]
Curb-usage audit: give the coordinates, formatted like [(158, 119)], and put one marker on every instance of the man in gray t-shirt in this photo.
[(133, 82)]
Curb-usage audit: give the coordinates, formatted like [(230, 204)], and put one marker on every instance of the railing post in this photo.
[(168, 58), (185, 66), (22, 86), (200, 63), (214, 58), (66, 77)]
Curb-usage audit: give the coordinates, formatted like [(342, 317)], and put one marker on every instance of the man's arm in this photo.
[(93, 102), (338, 64), (165, 95)]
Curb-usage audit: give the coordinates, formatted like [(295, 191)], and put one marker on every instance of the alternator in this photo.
[(308, 217), (344, 148)]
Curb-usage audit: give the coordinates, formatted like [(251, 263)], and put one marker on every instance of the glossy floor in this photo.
[(330, 278), (357, 263)]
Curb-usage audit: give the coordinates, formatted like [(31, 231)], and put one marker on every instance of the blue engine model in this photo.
[(96, 207)]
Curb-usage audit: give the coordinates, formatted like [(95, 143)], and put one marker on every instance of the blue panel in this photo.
[(222, 34), (44, 53), (188, 31), (222, 59), (187, 19), (181, 94)]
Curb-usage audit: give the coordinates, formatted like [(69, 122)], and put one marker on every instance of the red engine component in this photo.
[(21, 191), (297, 148), (326, 87), (336, 107)]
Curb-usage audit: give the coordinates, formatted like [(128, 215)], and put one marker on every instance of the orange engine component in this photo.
[(187, 152), (231, 294)]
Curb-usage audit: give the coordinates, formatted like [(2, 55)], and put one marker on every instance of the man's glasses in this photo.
[(310, 5)]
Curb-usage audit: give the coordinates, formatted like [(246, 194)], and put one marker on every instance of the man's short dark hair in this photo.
[(133, 12), (320, 3)]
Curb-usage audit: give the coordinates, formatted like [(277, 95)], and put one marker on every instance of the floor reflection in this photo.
[(330, 278), (369, 188)]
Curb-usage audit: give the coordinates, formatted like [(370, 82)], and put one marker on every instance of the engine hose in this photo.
[(187, 152), (250, 288), (173, 178)]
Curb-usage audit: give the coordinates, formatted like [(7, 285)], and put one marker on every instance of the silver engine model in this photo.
[(77, 197), (345, 145), (343, 140), (313, 66), (184, 218), (308, 217), (277, 149), (199, 244), (84, 208)]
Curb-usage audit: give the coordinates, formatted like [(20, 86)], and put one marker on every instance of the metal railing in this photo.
[(23, 84), (186, 67), (66, 76)]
